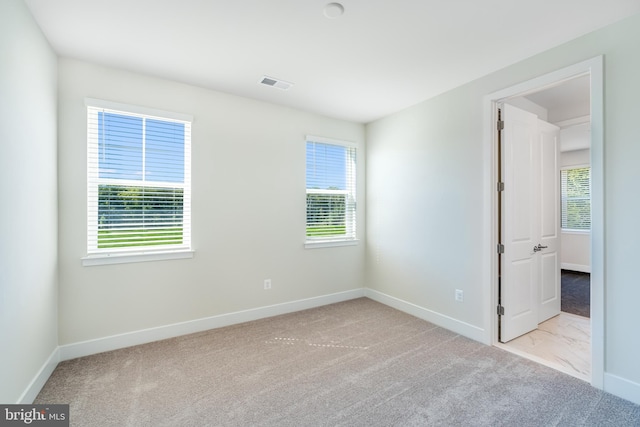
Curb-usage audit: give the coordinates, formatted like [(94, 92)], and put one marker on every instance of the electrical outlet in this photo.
[(459, 295), (267, 284)]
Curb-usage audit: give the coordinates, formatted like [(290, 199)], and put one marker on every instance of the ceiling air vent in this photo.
[(280, 84)]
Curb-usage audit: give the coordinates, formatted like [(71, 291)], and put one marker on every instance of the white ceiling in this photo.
[(381, 56), (568, 100)]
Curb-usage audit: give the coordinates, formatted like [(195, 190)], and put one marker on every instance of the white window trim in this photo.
[(133, 257), (574, 231), (578, 166), (138, 254), (334, 242), (136, 109), (310, 244)]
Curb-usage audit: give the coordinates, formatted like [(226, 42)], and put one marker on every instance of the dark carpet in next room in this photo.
[(576, 289)]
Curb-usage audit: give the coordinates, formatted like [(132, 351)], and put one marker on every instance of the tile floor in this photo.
[(562, 342)]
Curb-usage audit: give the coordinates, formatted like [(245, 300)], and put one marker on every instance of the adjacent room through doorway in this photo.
[(563, 338)]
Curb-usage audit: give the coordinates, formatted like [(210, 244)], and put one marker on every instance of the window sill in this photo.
[(314, 244), (124, 258), (570, 231)]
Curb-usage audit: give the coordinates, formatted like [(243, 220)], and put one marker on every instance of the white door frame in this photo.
[(593, 67)]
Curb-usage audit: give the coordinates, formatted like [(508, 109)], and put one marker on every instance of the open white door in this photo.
[(530, 226), (519, 281), (549, 209)]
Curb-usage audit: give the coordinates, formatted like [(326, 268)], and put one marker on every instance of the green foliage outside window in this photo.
[(576, 198), (139, 216), (326, 215)]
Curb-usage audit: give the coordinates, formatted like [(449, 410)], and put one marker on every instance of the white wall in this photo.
[(248, 207), (425, 191), (530, 106), (575, 249), (28, 225), (575, 138)]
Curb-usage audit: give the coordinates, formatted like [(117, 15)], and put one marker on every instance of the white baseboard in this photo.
[(462, 328), (114, 342), (575, 267), (30, 394), (622, 388)]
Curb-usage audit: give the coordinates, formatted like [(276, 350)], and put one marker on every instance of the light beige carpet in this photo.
[(356, 363)]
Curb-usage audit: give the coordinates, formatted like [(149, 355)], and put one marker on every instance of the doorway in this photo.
[(593, 69)]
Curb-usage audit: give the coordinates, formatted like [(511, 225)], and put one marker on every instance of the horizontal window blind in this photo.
[(139, 186), (576, 198), (331, 191)]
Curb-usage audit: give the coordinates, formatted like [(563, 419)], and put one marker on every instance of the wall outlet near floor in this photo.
[(459, 295), (267, 284)]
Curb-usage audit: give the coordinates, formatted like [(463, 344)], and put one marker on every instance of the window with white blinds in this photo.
[(576, 198), (139, 179), (331, 190)]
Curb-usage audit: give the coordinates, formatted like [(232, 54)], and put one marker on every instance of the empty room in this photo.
[(317, 213)]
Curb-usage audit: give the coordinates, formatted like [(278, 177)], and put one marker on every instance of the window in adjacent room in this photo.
[(139, 180), (576, 198), (331, 191)]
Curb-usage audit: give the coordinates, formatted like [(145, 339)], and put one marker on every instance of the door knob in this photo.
[(539, 248)]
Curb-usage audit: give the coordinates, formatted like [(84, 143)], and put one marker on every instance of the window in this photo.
[(139, 192), (576, 198), (331, 191)]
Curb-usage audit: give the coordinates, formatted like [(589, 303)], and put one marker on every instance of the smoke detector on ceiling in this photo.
[(333, 10), (277, 83)]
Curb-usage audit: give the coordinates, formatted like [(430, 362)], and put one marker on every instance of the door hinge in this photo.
[(500, 124), (500, 248), (501, 186), (500, 310)]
